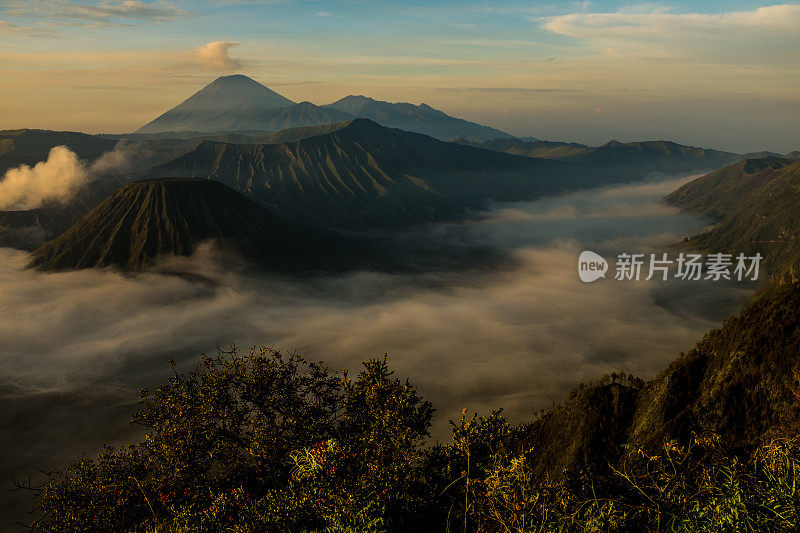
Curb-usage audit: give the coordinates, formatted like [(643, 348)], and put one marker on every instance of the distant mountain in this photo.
[(366, 174), (148, 219), (304, 114), (661, 156), (756, 202), (628, 158), (535, 148), (417, 118), (228, 103), (238, 104), (759, 155), (793, 155), (28, 147)]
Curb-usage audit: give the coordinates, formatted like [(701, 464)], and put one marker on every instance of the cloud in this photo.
[(7, 27), (509, 43), (56, 179), (63, 174), (215, 56), (102, 12), (655, 23), (512, 92), (519, 337)]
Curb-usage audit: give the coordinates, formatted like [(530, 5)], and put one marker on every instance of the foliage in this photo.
[(265, 442)]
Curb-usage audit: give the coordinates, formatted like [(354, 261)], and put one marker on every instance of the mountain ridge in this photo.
[(365, 173), (755, 203), (148, 219), (420, 118), (224, 101), (237, 103)]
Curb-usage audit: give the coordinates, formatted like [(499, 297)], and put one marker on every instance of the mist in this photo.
[(78, 345), (56, 179), (63, 174)]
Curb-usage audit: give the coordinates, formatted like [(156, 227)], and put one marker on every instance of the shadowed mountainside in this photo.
[(740, 381), (148, 219), (364, 173), (544, 149), (756, 203), (28, 147)]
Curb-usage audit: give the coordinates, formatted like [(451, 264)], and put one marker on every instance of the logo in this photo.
[(591, 266)]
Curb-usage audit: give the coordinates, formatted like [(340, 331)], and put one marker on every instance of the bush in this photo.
[(266, 442)]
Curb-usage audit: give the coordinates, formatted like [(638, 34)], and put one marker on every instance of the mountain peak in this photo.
[(235, 77), (147, 219), (420, 118), (224, 104)]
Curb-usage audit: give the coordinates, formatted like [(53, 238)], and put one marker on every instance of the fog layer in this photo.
[(76, 346)]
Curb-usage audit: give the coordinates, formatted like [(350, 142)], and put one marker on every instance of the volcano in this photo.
[(229, 103), (149, 219)]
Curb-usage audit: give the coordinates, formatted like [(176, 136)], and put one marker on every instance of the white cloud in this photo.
[(637, 23), (13, 29), (57, 179), (216, 56), (101, 12)]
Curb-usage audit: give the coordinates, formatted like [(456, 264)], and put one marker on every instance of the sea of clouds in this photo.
[(76, 346)]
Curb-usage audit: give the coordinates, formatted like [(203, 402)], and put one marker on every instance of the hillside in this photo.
[(537, 148), (28, 147), (193, 138), (417, 118), (711, 441), (739, 381), (364, 173), (148, 219), (755, 202)]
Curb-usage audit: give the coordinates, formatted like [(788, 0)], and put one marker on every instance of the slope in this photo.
[(545, 149), (228, 103), (739, 381), (148, 219), (756, 202), (366, 174)]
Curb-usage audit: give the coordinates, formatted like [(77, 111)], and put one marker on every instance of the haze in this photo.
[(720, 75)]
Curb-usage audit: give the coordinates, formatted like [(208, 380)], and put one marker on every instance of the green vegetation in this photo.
[(270, 442), (756, 203)]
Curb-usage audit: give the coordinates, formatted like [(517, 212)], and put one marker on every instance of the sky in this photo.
[(715, 74)]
